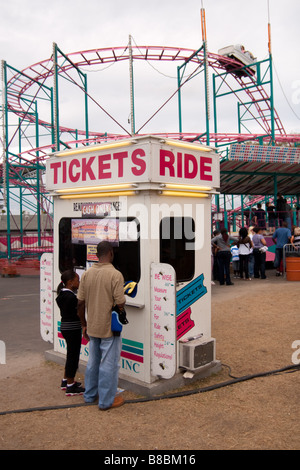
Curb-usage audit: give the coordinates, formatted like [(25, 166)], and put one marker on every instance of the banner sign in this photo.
[(148, 160), (184, 323), (190, 293)]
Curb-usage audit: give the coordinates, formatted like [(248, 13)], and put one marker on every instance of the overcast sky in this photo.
[(29, 27)]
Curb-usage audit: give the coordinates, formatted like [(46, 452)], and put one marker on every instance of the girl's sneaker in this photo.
[(74, 389), (64, 382)]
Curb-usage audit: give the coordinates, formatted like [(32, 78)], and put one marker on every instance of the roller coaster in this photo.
[(32, 126)]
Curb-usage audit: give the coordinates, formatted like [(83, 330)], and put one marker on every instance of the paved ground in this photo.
[(254, 323), (20, 323)]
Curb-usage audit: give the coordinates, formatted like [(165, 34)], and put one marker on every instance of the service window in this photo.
[(78, 240), (177, 237)]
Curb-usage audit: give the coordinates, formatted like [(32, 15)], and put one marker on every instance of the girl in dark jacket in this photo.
[(70, 329)]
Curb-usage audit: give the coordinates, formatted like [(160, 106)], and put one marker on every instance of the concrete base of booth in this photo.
[(166, 385), (141, 388)]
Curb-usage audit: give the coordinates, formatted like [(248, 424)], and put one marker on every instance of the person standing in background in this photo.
[(281, 237), (259, 247), (271, 216), (222, 243), (235, 258), (260, 217), (245, 246)]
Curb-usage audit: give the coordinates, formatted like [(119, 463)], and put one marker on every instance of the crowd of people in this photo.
[(275, 214), (247, 252)]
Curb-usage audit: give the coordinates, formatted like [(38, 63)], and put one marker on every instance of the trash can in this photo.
[(293, 269)]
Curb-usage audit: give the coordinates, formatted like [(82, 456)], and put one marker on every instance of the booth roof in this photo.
[(259, 178)]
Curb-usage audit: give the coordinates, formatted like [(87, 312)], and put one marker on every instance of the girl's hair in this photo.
[(244, 238), (65, 277), (243, 233), (224, 234)]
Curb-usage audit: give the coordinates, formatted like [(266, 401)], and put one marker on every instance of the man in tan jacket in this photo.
[(101, 287)]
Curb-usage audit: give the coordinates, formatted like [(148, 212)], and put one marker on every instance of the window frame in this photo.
[(182, 273), (65, 247)]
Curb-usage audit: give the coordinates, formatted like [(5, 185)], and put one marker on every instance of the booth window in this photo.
[(177, 236), (75, 248)]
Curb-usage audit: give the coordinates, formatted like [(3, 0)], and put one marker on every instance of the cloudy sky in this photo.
[(29, 27)]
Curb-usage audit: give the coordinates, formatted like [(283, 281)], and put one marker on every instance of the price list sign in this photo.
[(163, 320), (46, 297)]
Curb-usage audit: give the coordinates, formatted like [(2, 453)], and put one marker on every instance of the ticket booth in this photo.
[(151, 198)]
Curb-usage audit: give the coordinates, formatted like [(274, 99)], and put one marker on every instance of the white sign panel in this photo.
[(185, 166), (145, 161), (163, 320), (46, 297), (97, 167)]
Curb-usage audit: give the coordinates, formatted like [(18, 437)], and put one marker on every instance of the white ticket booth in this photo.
[(151, 198)]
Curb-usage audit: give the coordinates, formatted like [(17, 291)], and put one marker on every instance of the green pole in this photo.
[(234, 214), (5, 155), (272, 100), (239, 118), (215, 107), (275, 187), (52, 118), (20, 189), (37, 141), (86, 108), (225, 213), (206, 79), (217, 199), (179, 99), (56, 101), (132, 111)]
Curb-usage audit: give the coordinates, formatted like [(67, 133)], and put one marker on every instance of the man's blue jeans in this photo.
[(102, 370)]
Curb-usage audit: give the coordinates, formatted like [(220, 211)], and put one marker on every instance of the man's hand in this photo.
[(81, 314), (84, 333)]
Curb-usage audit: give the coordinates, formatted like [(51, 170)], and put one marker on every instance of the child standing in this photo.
[(70, 329), (235, 261)]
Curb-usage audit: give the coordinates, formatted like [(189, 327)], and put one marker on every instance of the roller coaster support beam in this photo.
[(5, 161), (38, 189), (83, 78), (179, 85), (56, 101), (272, 100), (206, 74), (132, 112)]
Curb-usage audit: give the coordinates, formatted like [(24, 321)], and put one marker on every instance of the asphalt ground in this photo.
[(20, 319)]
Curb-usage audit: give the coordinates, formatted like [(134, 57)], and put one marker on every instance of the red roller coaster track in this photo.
[(19, 84)]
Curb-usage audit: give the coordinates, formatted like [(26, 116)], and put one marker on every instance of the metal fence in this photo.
[(26, 245), (234, 220), (25, 253)]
